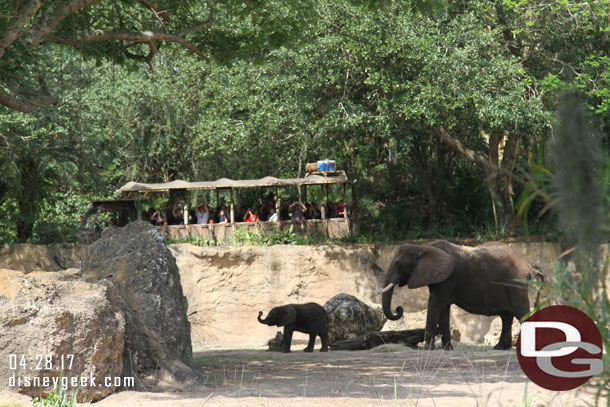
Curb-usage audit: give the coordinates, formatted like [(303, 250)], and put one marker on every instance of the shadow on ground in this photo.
[(396, 375)]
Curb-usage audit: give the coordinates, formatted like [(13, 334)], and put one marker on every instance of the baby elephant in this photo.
[(308, 318)]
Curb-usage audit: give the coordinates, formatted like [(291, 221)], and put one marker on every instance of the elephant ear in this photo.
[(434, 266), (288, 316)]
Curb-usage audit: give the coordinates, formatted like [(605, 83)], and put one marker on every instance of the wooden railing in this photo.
[(222, 233)]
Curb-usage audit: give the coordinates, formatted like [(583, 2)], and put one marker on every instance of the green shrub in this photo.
[(57, 398)]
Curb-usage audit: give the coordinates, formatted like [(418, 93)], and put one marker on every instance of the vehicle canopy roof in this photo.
[(335, 178)]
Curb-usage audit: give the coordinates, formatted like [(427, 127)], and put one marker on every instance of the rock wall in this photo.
[(30, 257), (226, 287)]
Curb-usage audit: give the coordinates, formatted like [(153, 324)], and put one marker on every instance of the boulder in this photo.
[(56, 326), (276, 344), (141, 273), (349, 317)]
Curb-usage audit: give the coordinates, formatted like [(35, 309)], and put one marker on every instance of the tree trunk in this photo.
[(432, 176), (498, 170), (24, 230), (499, 188)]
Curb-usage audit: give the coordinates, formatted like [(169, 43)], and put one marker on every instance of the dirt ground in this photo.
[(467, 376)]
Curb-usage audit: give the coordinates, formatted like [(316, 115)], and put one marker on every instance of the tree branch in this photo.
[(26, 99), (198, 27), (137, 37), (467, 153), (24, 12), (33, 27), (146, 58), (52, 16), (155, 10)]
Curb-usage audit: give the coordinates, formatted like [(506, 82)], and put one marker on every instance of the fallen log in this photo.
[(371, 340)]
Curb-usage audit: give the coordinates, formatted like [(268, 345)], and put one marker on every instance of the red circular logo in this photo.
[(560, 348)]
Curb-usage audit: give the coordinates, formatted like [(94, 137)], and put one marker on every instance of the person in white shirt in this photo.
[(203, 214), (272, 215)]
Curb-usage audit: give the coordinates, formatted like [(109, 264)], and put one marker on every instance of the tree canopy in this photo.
[(436, 108)]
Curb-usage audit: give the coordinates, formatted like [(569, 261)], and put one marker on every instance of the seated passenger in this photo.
[(296, 210), (203, 214), (272, 215), (178, 218), (340, 209), (156, 219), (222, 218), (250, 216)]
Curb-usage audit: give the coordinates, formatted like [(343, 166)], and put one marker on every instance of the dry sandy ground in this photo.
[(467, 377)]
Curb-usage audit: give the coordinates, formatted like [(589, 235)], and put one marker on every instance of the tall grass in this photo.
[(576, 187)]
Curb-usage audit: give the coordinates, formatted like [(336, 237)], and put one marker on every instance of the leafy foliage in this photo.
[(258, 237), (368, 84), (56, 398)]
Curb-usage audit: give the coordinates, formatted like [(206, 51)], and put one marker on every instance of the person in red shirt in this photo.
[(250, 216), (340, 209)]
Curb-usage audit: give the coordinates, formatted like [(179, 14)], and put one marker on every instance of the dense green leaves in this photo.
[(431, 106)]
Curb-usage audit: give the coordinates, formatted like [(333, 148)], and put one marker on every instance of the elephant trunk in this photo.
[(386, 301), (262, 321)]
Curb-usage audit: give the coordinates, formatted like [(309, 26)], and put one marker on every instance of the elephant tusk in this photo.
[(384, 290)]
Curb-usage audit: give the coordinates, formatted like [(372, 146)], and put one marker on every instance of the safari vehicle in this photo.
[(223, 232), (100, 214)]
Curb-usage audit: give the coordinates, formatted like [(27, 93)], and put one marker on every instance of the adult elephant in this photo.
[(483, 280)]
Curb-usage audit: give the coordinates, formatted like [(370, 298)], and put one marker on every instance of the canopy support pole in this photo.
[(232, 209), (277, 205), (322, 206), (344, 201)]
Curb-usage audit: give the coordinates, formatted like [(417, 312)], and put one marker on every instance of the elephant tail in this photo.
[(537, 272)]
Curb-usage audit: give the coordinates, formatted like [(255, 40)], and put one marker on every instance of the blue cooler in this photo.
[(331, 166), (322, 165)]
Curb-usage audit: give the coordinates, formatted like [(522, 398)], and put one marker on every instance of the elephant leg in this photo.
[(444, 328), (324, 339), (435, 307), (505, 336), (287, 339), (521, 311), (311, 344)]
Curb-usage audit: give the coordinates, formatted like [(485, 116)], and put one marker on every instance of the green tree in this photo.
[(135, 29), (35, 159)]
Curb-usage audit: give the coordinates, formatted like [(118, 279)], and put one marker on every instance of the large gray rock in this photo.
[(45, 317), (143, 278), (349, 317)]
